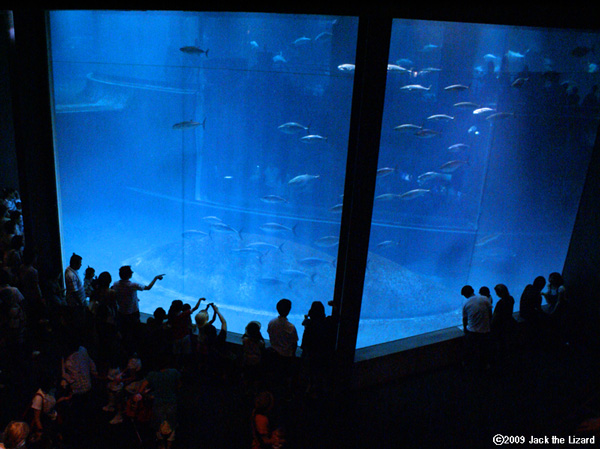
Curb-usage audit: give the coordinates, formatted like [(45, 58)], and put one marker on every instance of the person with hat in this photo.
[(127, 300)]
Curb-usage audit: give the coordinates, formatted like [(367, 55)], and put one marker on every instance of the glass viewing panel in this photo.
[(486, 139), (207, 146)]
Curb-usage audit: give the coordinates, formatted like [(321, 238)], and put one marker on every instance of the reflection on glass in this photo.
[(486, 138), (210, 147)]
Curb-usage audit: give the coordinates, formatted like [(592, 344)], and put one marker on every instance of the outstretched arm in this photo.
[(221, 318), (198, 304), (151, 284)]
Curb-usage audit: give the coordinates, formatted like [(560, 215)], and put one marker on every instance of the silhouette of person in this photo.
[(477, 317), (284, 342), (503, 321)]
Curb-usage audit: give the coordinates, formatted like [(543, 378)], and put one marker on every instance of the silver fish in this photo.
[(519, 82), (466, 105), (273, 199), (456, 87), (313, 262), (432, 176), (313, 138), (499, 115), (264, 246), (458, 147), (302, 41), (337, 209), (484, 240), (427, 70), (279, 58), (346, 67), (292, 128), (397, 68), (211, 219), (427, 133), (225, 229), (415, 87), (276, 227), (385, 171), (189, 124), (451, 166), (412, 194), (193, 50), (301, 180), (386, 244), (407, 127), (440, 117), (328, 241), (323, 36), (386, 197), (483, 111)]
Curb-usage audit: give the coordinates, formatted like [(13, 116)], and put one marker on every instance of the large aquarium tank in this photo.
[(211, 147)]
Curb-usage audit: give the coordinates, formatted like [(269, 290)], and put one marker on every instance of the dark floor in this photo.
[(538, 392)]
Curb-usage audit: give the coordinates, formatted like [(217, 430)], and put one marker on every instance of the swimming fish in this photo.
[(473, 130), (385, 171), (273, 199), (458, 147), (276, 227), (515, 54), (386, 244), (225, 229), (412, 194), (456, 88), (519, 82), (440, 117), (328, 241), (337, 209), (301, 41), (313, 262), (415, 87), (407, 127), (279, 58), (483, 111), (427, 70), (452, 166), (301, 180), (211, 219), (264, 246), (297, 274), (323, 36), (466, 105), (192, 50), (428, 48), (427, 133), (292, 128), (386, 197), (487, 239), (194, 233), (346, 67), (189, 124), (432, 176), (499, 115), (312, 138), (397, 68)]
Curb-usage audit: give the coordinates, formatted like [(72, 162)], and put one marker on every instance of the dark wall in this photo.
[(9, 176)]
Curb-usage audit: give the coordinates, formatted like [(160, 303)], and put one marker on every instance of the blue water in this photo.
[(237, 210)]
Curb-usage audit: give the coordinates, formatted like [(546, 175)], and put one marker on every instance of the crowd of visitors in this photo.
[(92, 354), (490, 331)]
